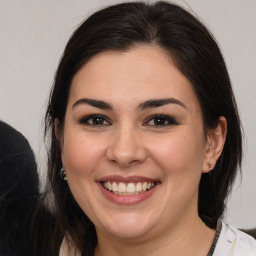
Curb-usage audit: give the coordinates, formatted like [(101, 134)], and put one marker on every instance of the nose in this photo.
[(126, 148)]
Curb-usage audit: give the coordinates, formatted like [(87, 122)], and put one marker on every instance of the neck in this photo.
[(193, 238)]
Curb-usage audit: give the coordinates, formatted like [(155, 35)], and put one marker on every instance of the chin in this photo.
[(129, 233), (128, 226)]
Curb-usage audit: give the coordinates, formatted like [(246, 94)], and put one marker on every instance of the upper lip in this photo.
[(133, 179)]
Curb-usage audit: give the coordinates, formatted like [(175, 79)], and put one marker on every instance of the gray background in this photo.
[(33, 34)]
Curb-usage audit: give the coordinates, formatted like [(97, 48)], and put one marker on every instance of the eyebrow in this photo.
[(95, 103), (153, 103)]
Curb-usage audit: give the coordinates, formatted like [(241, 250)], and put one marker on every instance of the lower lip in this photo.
[(127, 200)]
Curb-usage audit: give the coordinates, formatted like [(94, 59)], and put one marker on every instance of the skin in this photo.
[(128, 142)]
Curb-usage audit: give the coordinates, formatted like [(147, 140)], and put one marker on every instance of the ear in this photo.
[(59, 136), (58, 131), (214, 145), (56, 128)]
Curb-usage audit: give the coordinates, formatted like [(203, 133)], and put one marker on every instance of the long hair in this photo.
[(195, 53)]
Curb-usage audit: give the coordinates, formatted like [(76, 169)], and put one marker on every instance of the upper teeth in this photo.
[(128, 188)]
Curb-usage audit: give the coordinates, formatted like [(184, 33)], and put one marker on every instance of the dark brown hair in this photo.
[(196, 54)]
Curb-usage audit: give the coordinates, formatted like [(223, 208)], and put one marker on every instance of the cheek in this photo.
[(181, 160), (179, 153), (81, 153)]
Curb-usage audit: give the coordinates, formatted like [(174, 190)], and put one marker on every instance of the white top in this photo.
[(233, 242)]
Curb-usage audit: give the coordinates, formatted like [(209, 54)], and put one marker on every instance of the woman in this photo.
[(145, 133)]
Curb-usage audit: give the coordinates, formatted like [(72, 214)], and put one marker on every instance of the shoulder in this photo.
[(233, 242)]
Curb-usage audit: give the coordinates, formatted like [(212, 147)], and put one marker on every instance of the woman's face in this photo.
[(134, 147)]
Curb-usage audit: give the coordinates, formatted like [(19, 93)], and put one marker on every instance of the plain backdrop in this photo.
[(33, 34)]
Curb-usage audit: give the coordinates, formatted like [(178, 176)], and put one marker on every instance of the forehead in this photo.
[(137, 74)]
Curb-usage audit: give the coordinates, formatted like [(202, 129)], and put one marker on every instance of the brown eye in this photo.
[(95, 120), (160, 120)]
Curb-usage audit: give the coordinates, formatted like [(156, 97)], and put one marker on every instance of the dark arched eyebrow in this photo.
[(95, 103), (153, 103)]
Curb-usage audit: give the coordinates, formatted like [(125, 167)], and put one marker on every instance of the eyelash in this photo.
[(86, 120), (168, 120), (164, 120)]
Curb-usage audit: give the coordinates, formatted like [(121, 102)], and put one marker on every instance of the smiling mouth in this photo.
[(128, 189)]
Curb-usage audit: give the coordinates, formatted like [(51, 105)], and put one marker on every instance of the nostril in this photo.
[(124, 162)]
